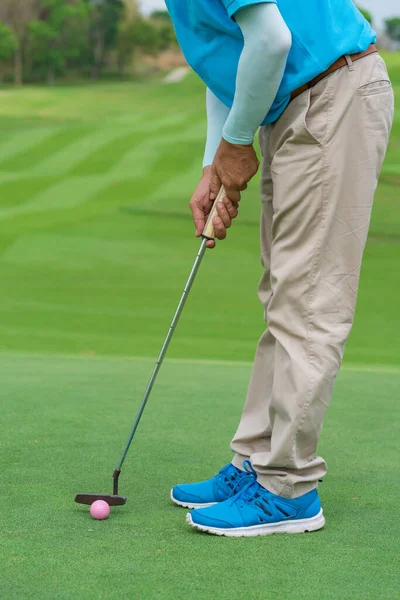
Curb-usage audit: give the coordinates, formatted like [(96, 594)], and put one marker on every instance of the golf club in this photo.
[(114, 499)]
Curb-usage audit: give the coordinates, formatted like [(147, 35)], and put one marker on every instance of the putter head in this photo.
[(110, 499)]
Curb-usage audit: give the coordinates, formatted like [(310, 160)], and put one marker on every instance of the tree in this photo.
[(17, 14), (58, 36), (366, 14), (393, 28), (139, 36), (131, 11), (105, 17), (165, 29), (8, 45), (134, 34), (161, 15)]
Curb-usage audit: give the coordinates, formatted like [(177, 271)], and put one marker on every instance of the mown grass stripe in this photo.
[(170, 194), (23, 141), (37, 154), (15, 192), (108, 156), (104, 157), (74, 191), (40, 356), (58, 196), (155, 151), (68, 159)]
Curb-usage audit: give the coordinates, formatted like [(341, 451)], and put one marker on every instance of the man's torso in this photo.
[(322, 30)]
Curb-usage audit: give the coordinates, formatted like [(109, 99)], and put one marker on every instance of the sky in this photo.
[(379, 8)]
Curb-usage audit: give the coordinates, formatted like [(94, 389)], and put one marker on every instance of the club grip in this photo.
[(209, 232)]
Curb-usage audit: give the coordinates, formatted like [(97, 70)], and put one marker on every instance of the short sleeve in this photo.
[(232, 6)]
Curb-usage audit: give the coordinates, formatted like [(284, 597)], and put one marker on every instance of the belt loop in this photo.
[(349, 62)]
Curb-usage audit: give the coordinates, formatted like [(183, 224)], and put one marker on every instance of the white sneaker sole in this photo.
[(298, 526), (190, 504)]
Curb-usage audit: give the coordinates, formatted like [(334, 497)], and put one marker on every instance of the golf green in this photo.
[(64, 419), (96, 243)]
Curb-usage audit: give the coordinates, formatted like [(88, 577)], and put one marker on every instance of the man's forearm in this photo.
[(267, 42), (217, 113)]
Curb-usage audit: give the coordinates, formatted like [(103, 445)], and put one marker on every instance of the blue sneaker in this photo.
[(255, 511), (227, 482)]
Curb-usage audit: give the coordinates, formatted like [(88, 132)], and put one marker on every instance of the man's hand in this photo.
[(233, 167), (201, 204)]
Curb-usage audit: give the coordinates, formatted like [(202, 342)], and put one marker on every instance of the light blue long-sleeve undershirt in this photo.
[(267, 42)]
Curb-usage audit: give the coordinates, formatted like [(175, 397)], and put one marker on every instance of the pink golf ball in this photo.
[(100, 510)]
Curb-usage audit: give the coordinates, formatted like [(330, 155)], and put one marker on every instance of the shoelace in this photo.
[(253, 493), (248, 490), (248, 467), (250, 473)]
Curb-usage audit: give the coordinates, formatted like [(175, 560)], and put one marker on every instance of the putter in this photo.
[(114, 499)]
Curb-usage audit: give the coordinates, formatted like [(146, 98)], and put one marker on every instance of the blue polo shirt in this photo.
[(322, 31)]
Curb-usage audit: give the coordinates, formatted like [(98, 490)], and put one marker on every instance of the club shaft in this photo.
[(164, 349)]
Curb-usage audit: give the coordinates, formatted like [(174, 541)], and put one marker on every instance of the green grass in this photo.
[(96, 239), (96, 243), (63, 420)]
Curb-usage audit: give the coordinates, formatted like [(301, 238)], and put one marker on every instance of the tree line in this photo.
[(44, 39)]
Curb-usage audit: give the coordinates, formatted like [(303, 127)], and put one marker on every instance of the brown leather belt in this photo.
[(341, 62)]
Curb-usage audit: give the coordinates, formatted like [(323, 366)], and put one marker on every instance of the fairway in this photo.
[(96, 243)]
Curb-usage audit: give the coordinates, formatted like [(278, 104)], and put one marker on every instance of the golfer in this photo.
[(310, 75)]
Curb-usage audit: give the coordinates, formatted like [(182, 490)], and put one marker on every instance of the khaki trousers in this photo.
[(321, 162)]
